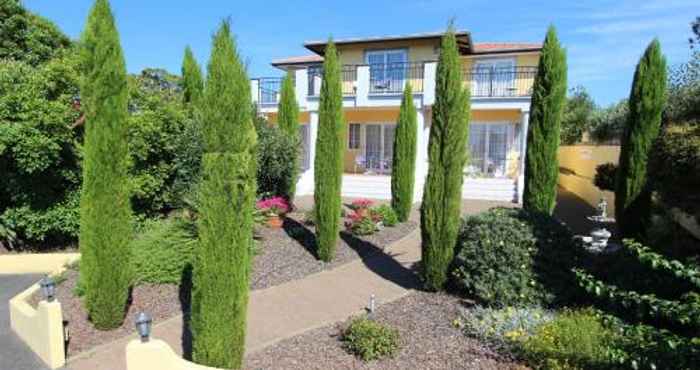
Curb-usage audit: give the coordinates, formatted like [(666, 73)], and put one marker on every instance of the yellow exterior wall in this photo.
[(272, 117), (36, 263), (484, 116), (40, 329), (523, 82), (418, 50), (156, 354), (579, 163)]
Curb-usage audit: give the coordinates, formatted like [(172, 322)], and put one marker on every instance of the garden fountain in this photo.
[(598, 241)]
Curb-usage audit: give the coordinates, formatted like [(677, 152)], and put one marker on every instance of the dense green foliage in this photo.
[(646, 104), (675, 163), (39, 152), (328, 162), (605, 175), (275, 169), (503, 328), (447, 155), (192, 81), (403, 168), (105, 210), (387, 215), (513, 257), (608, 124), (288, 120), (226, 201), (684, 91), (573, 340), (370, 340), (162, 250), (578, 112), (546, 111), (27, 37), (664, 318)]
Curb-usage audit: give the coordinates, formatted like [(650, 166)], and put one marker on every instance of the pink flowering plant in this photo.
[(275, 206), (362, 203)]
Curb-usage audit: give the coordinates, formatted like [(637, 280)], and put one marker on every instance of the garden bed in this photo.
[(428, 340), (282, 255)]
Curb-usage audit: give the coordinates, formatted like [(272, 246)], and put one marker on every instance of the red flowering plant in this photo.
[(362, 221), (275, 206), (360, 204)]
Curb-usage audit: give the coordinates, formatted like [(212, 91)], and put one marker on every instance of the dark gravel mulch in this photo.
[(429, 340), (283, 255)]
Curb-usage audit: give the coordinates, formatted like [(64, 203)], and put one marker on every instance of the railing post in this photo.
[(255, 90), (362, 92), (429, 72), (301, 79)]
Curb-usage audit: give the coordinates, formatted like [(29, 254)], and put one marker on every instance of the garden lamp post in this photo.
[(143, 326), (48, 288)]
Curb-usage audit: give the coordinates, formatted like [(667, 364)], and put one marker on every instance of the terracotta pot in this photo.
[(362, 212), (275, 222)]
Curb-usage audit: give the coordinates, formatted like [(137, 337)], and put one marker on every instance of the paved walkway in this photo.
[(14, 354), (292, 308)]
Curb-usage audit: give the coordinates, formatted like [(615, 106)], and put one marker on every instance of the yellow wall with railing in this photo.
[(523, 81)]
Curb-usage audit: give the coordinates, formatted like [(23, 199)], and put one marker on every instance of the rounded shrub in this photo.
[(605, 176), (370, 340), (387, 215), (511, 257)]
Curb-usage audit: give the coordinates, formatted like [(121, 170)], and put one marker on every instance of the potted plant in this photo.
[(274, 209)]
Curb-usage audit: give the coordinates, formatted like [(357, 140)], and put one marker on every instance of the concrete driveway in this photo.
[(14, 354)]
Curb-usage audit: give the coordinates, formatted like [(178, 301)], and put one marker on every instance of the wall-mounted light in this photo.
[(48, 288)]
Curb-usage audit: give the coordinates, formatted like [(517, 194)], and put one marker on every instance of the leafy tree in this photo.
[(288, 119), (226, 200), (607, 124), (275, 170), (39, 156), (105, 212), (695, 27), (447, 155), (192, 81), (403, 171), (577, 115), (546, 111), (27, 37), (328, 163), (646, 104)]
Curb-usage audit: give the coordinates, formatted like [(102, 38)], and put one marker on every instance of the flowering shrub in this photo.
[(274, 206), (359, 204), (503, 327)]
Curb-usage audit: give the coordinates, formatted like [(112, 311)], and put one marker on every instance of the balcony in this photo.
[(500, 82), (381, 85)]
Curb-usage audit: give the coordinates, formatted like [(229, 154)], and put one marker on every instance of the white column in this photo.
[(254, 86), (305, 185), (423, 133), (524, 127), (362, 91), (429, 72), (301, 88)]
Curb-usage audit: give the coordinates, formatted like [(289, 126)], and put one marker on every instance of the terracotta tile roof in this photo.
[(495, 47), (311, 58), (412, 36)]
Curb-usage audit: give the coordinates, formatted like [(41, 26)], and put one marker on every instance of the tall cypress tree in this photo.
[(403, 169), (328, 163), (447, 155), (288, 119), (105, 208), (227, 195), (546, 111), (192, 81), (646, 104)]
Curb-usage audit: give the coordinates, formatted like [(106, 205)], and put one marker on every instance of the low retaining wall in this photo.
[(156, 354), (40, 329), (36, 263), (577, 165)]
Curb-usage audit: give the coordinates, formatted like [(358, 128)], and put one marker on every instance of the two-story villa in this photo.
[(374, 73)]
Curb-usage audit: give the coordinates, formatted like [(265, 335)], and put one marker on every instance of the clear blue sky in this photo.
[(604, 38)]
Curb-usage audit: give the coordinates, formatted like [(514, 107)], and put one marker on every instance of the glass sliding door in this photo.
[(378, 147), (387, 70), (494, 77), (489, 145)]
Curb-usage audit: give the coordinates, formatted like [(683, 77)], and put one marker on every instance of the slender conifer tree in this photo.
[(105, 208), (192, 81), (328, 162), (227, 196), (288, 119), (447, 155), (403, 169)]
